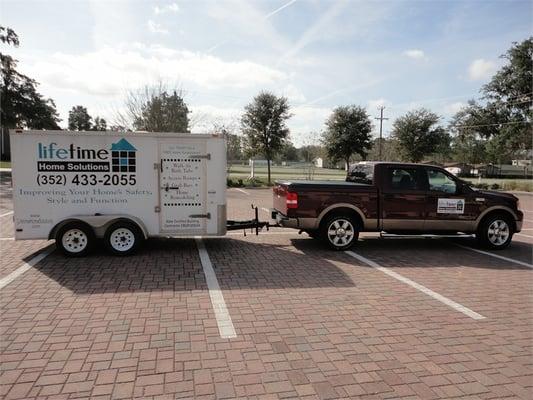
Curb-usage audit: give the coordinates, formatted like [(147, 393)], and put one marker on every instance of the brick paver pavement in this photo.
[(310, 323)]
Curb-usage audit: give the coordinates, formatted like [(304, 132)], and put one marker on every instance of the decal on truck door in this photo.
[(182, 186), (451, 206)]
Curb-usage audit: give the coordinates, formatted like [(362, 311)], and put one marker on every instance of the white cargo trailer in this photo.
[(123, 187)]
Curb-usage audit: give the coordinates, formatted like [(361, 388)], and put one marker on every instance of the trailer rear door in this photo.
[(183, 179)]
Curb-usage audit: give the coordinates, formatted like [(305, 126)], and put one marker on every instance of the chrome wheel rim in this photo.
[(498, 232), (341, 232), (74, 240), (122, 239)]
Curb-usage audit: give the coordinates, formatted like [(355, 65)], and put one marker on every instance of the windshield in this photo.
[(361, 173)]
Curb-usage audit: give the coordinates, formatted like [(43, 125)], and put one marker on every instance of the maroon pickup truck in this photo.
[(395, 198)]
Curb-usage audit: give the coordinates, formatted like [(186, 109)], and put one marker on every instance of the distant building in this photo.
[(319, 162)]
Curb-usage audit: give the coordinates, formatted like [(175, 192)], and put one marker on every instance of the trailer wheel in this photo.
[(340, 232), (75, 239), (123, 238)]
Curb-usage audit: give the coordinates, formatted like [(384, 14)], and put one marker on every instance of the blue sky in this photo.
[(320, 54)]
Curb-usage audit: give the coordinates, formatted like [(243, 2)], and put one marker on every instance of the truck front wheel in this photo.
[(75, 239), (495, 232), (340, 232), (123, 238)]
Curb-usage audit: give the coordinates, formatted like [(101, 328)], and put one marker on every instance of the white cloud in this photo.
[(154, 27), (375, 104), (481, 69), (293, 94), (110, 70), (173, 7), (452, 108), (415, 54)]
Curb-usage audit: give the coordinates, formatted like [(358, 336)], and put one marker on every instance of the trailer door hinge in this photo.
[(157, 209), (207, 216), (205, 156), (156, 165)]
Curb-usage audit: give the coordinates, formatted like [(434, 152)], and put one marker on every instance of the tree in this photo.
[(389, 149), (20, 103), (348, 132), (153, 109), (100, 124), (502, 121), (79, 119), (233, 141), (264, 125), (418, 134), (288, 152)]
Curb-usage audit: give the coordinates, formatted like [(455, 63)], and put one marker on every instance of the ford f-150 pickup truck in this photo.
[(395, 198)]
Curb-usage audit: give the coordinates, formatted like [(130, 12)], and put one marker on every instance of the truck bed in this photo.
[(315, 196)]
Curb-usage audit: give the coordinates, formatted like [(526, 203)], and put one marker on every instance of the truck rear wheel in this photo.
[(495, 232), (123, 238), (75, 239), (340, 232)]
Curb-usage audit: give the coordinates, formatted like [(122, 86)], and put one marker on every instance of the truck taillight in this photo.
[(292, 200)]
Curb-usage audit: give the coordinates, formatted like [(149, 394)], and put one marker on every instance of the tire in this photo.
[(75, 239), (495, 232), (340, 232), (123, 238)]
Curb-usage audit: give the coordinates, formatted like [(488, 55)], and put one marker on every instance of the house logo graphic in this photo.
[(123, 156)]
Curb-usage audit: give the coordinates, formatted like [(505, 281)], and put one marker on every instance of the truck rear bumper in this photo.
[(295, 223)]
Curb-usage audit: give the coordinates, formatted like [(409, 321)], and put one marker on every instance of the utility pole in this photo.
[(380, 108)]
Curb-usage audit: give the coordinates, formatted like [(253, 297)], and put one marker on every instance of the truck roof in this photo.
[(396, 163)]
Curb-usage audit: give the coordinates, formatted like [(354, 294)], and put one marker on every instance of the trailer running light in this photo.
[(292, 200)]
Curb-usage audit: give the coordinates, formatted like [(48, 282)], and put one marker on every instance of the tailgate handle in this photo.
[(207, 216)]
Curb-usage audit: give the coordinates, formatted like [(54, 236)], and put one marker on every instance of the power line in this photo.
[(497, 124)]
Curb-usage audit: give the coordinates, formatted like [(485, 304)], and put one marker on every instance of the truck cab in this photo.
[(396, 198)]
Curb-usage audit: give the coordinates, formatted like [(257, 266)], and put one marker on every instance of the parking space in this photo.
[(308, 322)]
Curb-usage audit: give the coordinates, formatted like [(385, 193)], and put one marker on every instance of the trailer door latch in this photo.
[(157, 209), (207, 216), (204, 156)]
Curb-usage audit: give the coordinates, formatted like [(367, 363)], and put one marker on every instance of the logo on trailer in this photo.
[(123, 156)]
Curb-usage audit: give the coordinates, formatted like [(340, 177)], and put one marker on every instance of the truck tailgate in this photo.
[(280, 197)]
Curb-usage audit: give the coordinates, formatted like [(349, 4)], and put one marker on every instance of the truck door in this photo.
[(403, 199), (182, 182), (447, 209)]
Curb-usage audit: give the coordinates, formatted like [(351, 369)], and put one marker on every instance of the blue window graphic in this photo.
[(123, 156)]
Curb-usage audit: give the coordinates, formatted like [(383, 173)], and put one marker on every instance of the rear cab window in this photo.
[(361, 173), (403, 179)]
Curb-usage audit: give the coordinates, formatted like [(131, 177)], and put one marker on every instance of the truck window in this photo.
[(440, 182), (361, 173), (403, 179)]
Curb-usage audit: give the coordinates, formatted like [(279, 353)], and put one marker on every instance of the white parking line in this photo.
[(265, 210), (225, 325), (6, 214), (8, 238), (26, 266), (243, 191), (496, 256), (450, 303)]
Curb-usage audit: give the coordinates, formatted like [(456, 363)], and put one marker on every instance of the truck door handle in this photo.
[(167, 188)]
